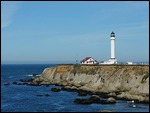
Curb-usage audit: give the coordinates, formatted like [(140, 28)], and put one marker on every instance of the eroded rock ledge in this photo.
[(129, 82)]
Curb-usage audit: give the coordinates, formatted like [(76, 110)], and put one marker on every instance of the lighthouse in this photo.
[(112, 47), (112, 60)]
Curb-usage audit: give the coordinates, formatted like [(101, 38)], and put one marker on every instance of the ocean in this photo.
[(23, 98)]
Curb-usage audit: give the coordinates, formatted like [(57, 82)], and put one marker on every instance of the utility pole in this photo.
[(76, 58)]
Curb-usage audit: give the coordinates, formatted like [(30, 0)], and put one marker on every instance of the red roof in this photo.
[(85, 59)]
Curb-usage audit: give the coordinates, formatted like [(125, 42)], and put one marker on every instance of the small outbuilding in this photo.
[(130, 63)]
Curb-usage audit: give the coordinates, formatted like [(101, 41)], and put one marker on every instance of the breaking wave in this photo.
[(32, 75)]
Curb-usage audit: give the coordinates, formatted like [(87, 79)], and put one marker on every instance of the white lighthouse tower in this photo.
[(112, 59), (112, 41)]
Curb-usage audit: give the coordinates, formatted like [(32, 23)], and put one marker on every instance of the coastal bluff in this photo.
[(130, 82)]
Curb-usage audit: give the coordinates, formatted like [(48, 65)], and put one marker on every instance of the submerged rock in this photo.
[(46, 95), (26, 80), (32, 84), (82, 93), (42, 95), (56, 89), (69, 88), (6, 83), (104, 111), (47, 85), (19, 84), (92, 99), (95, 99), (35, 74), (83, 101), (39, 95), (15, 83)]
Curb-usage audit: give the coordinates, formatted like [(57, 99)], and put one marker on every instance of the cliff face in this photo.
[(131, 81)]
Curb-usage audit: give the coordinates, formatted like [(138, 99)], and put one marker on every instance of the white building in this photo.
[(89, 60), (130, 63), (112, 59)]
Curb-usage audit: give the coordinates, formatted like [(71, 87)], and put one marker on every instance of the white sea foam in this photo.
[(29, 75), (36, 75), (130, 101)]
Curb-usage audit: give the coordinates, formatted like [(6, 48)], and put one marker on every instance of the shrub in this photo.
[(144, 78)]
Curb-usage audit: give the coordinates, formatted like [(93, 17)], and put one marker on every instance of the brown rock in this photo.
[(111, 100)]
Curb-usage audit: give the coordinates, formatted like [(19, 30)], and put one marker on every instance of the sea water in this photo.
[(23, 98)]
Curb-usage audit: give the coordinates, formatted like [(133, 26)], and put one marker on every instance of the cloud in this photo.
[(9, 8)]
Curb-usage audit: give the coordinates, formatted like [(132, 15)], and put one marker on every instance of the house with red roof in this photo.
[(89, 60)]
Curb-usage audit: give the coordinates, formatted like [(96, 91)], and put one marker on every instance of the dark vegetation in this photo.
[(144, 78)]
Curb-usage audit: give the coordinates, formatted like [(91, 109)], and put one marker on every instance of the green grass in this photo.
[(144, 78)]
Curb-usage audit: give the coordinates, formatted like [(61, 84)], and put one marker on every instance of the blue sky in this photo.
[(61, 32)]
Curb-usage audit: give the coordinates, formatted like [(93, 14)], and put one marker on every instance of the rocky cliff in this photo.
[(120, 81)]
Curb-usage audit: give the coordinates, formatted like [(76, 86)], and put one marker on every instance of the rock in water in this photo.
[(55, 89), (15, 83), (83, 101), (6, 83), (95, 99), (82, 93), (46, 95), (34, 74), (111, 100), (39, 95), (104, 111), (26, 80)]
